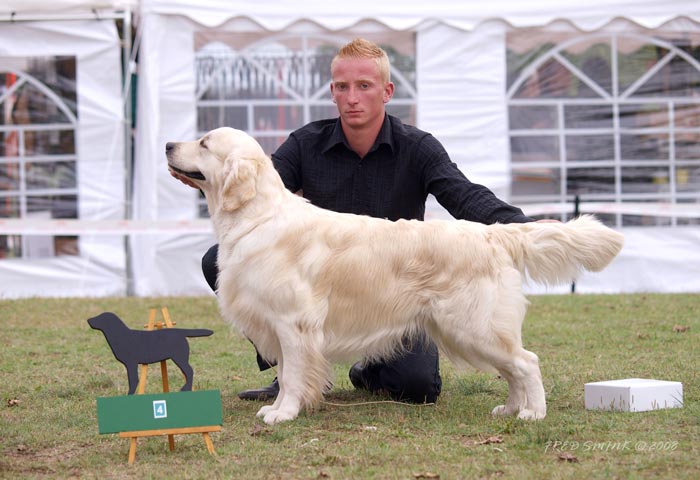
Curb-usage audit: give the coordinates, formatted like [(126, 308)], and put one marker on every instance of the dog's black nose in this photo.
[(169, 147)]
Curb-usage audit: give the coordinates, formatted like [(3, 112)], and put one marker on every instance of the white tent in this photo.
[(63, 146), (458, 82)]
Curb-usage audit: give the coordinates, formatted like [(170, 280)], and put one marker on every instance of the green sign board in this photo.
[(160, 411)]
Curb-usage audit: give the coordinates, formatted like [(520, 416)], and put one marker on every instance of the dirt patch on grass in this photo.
[(25, 460)]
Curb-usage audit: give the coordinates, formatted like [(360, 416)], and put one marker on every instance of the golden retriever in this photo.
[(310, 286)]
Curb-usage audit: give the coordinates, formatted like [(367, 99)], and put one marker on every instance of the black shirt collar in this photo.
[(337, 136)]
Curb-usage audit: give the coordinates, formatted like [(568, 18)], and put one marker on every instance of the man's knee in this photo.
[(210, 269), (416, 387), (413, 377)]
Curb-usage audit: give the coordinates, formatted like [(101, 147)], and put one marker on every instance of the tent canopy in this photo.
[(397, 15), (411, 14)]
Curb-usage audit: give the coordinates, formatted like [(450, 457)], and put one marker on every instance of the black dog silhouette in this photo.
[(134, 347)]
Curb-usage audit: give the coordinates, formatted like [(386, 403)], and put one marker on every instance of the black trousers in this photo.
[(414, 376)]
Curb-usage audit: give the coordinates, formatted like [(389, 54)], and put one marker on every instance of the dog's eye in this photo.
[(202, 143)]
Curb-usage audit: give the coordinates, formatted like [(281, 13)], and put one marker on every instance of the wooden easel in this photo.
[(171, 432)]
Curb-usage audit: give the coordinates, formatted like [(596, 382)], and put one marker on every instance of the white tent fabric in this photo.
[(99, 269), (461, 84), (411, 14), (461, 75), (166, 112), (20, 9)]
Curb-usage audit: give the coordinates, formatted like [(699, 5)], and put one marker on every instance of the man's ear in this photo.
[(388, 92), (239, 184)]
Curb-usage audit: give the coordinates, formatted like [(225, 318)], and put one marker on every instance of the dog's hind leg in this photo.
[(504, 350), (490, 354), (536, 407), (520, 368), (517, 397), (494, 343), (526, 396), (184, 365)]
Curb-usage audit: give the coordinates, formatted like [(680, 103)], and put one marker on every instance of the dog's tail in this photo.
[(196, 332), (555, 253)]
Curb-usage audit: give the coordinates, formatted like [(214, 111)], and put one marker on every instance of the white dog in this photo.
[(310, 286)]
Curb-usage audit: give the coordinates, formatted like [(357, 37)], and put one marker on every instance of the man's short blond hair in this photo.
[(361, 48)]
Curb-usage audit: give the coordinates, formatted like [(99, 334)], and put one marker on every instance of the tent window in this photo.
[(271, 84), (609, 118), (38, 168)]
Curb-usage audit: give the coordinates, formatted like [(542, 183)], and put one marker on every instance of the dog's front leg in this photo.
[(288, 402), (132, 374), (302, 376), (268, 408)]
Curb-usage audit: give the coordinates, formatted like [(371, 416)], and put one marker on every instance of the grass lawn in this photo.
[(53, 367)]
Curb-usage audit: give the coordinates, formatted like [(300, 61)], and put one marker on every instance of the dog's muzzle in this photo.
[(196, 175)]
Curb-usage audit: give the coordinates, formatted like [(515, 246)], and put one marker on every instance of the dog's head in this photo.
[(223, 164), (104, 321)]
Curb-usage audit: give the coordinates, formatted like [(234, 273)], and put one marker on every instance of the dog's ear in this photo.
[(239, 182)]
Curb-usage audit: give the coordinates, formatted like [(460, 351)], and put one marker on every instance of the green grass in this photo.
[(55, 367)]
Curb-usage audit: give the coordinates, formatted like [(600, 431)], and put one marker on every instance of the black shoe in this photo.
[(265, 393), (357, 378)]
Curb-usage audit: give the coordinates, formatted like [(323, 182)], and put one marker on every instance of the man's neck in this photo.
[(362, 139)]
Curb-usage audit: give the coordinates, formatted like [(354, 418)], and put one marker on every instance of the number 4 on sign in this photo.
[(160, 409)]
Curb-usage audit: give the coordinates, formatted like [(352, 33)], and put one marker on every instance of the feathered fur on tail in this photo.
[(555, 253)]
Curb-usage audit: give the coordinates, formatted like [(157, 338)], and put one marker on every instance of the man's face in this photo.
[(359, 91)]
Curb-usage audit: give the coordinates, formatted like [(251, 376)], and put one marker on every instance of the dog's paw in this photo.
[(264, 410), (279, 416), (501, 411), (527, 414)]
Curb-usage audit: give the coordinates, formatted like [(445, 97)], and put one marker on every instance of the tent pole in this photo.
[(128, 153)]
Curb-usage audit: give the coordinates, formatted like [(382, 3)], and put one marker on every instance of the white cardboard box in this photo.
[(633, 395)]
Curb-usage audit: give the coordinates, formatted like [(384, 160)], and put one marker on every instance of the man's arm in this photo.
[(463, 199), (287, 162)]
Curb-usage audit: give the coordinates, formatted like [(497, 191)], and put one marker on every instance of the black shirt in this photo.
[(392, 181)]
